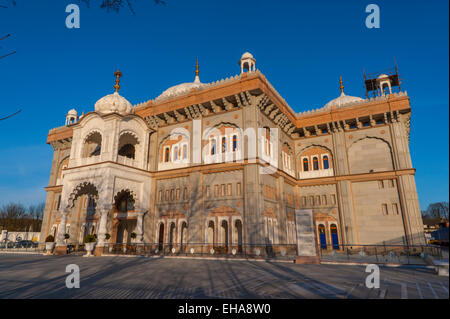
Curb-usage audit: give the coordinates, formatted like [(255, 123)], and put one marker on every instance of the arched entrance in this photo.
[(224, 233), (211, 234), (161, 236), (238, 234), (172, 235), (334, 236), (183, 237), (322, 237)]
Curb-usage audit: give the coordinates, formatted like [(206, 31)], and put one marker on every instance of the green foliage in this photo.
[(90, 239), (49, 239), (107, 236), (133, 235), (66, 236)]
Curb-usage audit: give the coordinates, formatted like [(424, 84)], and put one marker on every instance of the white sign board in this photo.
[(304, 225)]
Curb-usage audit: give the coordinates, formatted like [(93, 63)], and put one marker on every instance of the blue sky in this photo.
[(302, 48)]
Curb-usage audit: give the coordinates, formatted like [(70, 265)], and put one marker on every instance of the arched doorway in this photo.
[(322, 237), (211, 233), (161, 237), (224, 233), (121, 229), (334, 236), (183, 237), (172, 235), (238, 234)]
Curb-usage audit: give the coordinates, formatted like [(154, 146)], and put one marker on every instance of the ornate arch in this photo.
[(301, 151), (92, 132), (182, 134), (370, 137), (122, 192), (85, 188), (208, 131), (130, 132)]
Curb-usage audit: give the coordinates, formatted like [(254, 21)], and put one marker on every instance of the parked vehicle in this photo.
[(26, 244)]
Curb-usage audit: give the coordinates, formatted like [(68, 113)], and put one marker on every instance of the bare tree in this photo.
[(14, 217), (1, 57), (110, 5)]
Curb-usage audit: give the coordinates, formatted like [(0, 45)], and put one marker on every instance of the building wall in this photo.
[(345, 192)]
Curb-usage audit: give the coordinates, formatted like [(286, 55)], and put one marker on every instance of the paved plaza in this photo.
[(36, 276)]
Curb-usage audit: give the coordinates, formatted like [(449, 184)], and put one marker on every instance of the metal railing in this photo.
[(255, 251), (16, 247), (383, 254)]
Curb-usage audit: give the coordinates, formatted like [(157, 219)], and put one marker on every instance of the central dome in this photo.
[(181, 89), (342, 100), (113, 103)]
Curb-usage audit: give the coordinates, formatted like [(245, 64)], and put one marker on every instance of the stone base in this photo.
[(98, 251), (60, 250), (307, 260)]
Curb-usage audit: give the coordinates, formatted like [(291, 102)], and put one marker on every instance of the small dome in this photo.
[(181, 89), (342, 100), (382, 76), (247, 55), (72, 112), (113, 103)]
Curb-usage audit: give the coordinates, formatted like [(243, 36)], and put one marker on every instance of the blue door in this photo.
[(322, 237), (334, 236)]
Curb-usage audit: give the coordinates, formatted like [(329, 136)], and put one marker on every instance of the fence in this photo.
[(255, 251), (17, 247), (398, 254)]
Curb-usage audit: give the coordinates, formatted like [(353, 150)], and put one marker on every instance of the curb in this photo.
[(379, 264), (199, 258)]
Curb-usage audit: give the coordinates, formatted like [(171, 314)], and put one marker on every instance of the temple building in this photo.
[(228, 164)]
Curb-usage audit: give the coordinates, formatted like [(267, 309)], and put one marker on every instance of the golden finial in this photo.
[(117, 74), (196, 69), (341, 84)]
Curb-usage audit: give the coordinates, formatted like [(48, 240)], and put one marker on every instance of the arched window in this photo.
[(305, 165), (127, 145), (93, 145), (315, 163), (185, 151), (224, 144), (175, 153), (235, 143), (334, 236), (127, 150), (213, 146), (166, 154), (124, 202), (322, 237), (326, 164)]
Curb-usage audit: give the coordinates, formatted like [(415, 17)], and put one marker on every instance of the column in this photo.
[(102, 227), (139, 227), (60, 238)]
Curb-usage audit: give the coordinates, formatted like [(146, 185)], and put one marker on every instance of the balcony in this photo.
[(173, 165), (127, 161), (316, 174)]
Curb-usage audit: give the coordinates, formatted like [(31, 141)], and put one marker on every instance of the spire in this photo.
[(197, 78), (341, 86), (196, 69), (117, 74)]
